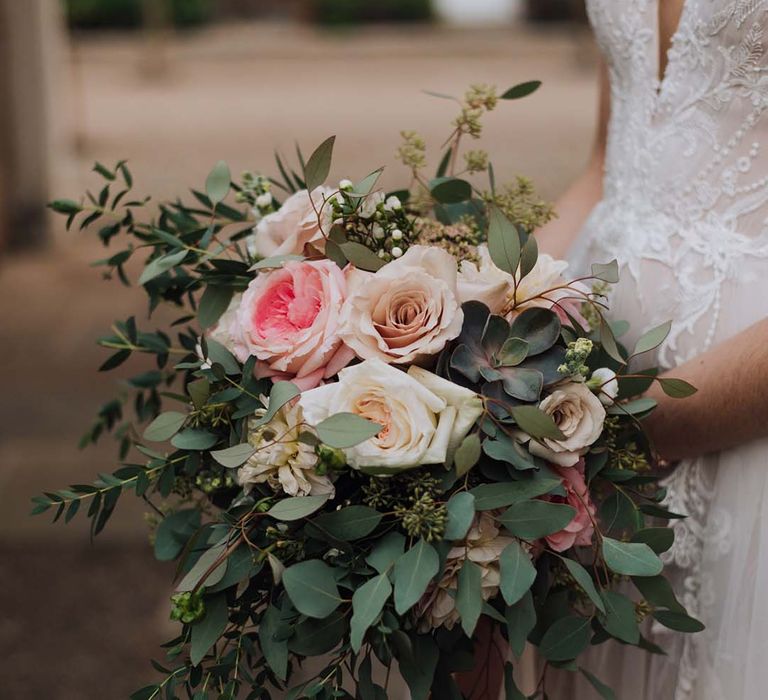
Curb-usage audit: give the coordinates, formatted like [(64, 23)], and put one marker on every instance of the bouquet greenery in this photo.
[(384, 420)]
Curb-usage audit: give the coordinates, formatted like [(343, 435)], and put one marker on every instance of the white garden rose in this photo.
[(580, 416), (290, 228), (281, 460), (423, 416), (407, 311), (544, 286), (604, 382)]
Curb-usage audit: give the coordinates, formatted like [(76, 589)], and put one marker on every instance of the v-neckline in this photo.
[(660, 78)]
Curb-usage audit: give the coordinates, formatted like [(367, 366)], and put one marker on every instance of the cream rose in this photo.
[(579, 414), (603, 381), (407, 311), (291, 227), (282, 461), (543, 286), (423, 416)]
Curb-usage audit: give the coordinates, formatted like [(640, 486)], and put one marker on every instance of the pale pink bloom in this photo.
[(289, 319), (579, 531)]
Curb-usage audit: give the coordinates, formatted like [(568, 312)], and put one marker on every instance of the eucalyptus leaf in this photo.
[(533, 519), (492, 496), (361, 256), (344, 430), (582, 577), (450, 190), (386, 552), (467, 454), (217, 183), (566, 638), (311, 586), (652, 338), (517, 573), (297, 507), (602, 689), (676, 388), (319, 164), (659, 539), (367, 603), (461, 511), (630, 558), (619, 619), (207, 631), (521, 619), (469, 597), (350, 523), (503, 242), (213, 303), (678, 621), (607, 272), (281, 394), (165, 426), (521, 90), (534, 422), (232, 457), (161, 265), (194, 439), (413, 572)]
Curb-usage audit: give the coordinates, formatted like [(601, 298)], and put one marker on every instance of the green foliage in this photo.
[(121, 14)]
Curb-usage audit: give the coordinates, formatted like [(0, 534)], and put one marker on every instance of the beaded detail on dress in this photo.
[(685, 211)]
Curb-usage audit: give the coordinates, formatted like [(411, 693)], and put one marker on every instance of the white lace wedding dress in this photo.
[(685, 211)]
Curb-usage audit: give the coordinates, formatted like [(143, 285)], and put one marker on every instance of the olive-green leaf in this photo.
[(608, 343), (343, 430), (275, 650), (676, 388), (619, 619), (492, 496), (630, 558), (521, 90), (165, 426), (158, 266), (213, 304), (533, 519), (413, 572), (311, 586), (602, 689), (658, 592), (469, 597), (517, 573), (319, 164), (207, 631), (281, 394), (521, 619), (659, 539), (460, 511), (566, 639), (534, 422), (297, 507), (350, 523), (361, 256), (232, 457), (678, 621), (217, 183), (582, 577), (503, 241), (386, 552), (607, 272), (652, 338), (467, 454), (367, 603), (194, 439), (450, 190)]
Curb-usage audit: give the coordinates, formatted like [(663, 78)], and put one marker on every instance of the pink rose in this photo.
[(295, 224), (289, 319), (580, 530)]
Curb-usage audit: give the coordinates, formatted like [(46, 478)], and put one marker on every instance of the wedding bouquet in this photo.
[(385, 420)]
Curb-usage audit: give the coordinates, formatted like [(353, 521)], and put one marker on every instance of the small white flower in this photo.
[(378, 231), (397, 234), (264, 200), (397, 252), (346, 184), (392, 204), (369, 205), (604, 383)]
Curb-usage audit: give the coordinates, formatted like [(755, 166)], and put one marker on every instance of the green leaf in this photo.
[(418, 667), (619, 619), (361, 256), (540, 328), (517, 573), (631, 558), (602, 689), (165, 426), (65, 206), (521, 619), (274, 262), (173, 533), (311, 586), (632, 408), (678, 621), (469, 597), (207, 632), (658, 592), (160, 265), (521, 90), (503, 241), (297, 507), (468, 454), (608, 343), (534, 422), (533, 519), (281, 394), (413, 572), (213, 304), (450, 190), (317, 637), (659, 539), (676, 388), (275, 650), (366, 185), (217, 183), (566, 639), (218, 354), (511, 691), (350, 523), (203, 567), (607, 272), (652, 339), (367, 603), (194, 439), (461, 512), (343, 430), (386, 552), (233, 457), (529, 255), (513, 352), (582, 577), (492, 496), (319, 164)]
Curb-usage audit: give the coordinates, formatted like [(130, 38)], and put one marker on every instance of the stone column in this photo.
[(31, 35)]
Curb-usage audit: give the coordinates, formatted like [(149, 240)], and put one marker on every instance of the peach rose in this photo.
[(543, 286), (289, 319), (580, 530), (290, 228), (407, 311)]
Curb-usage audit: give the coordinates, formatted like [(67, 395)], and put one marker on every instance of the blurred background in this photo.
[(174, 86)]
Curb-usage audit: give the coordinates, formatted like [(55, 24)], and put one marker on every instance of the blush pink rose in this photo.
[(289, 319), (580, 530)]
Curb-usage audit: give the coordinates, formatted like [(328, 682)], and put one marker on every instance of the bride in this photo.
[(677, 191)]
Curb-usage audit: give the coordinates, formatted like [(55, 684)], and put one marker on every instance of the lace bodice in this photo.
[(685, 212)]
